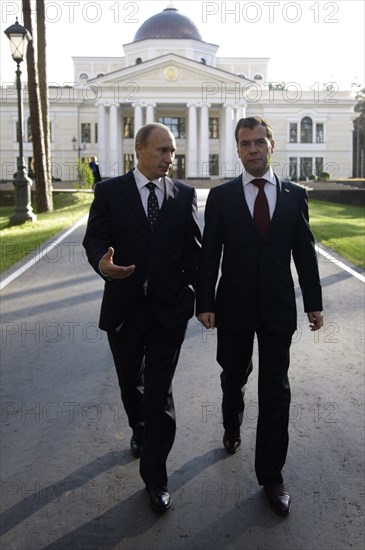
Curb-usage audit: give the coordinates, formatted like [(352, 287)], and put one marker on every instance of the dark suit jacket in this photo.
[(256, 283), (167, 256)]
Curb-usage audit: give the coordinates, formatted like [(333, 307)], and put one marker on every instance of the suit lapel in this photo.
[(282, 201), (240, 204), (170, 193), (132, 198)]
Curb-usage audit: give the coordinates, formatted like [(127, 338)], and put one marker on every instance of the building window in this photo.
[(293, 163), (29, 130), (128, 162), (85, 132), (213, 127), (306, 130), (257, 77), (306, 167), (84, 76), (293, 132), (319, 165), (319, 133), (175, 124), (96, 132), (128, 127), (138, 60), (214, 165)]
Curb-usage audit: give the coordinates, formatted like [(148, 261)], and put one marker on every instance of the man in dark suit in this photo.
[(143, 238), (259, 222)]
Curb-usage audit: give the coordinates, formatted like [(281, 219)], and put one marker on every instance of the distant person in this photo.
[(143, 238), (95, 168), (254, 224)]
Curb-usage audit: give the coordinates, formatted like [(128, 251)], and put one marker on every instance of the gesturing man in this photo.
[(143, 238)]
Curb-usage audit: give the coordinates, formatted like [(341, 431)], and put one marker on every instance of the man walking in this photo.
[(254, 224), (143, 238)]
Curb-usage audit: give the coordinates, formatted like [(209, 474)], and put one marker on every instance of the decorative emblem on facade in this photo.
[(170, 73)]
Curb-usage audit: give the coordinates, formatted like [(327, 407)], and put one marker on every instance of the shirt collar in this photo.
[(269, 176), (141, 180)]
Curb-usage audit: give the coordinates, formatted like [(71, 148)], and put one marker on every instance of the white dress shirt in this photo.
[(250, 190)]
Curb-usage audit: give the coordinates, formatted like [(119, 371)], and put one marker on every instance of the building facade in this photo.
[(170, 75)]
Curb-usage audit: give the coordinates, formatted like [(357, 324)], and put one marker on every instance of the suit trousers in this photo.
[(145, 356), (234, 354)]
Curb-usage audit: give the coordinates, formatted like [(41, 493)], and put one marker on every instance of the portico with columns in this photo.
[(179, 93)]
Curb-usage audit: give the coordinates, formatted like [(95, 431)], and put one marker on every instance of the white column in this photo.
[(204, 142), (230, 151), (137, 117), (241, 111), (114, 161), (192, 156), (101, 139), (150, 113)]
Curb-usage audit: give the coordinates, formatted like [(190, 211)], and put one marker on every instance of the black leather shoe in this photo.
[(136, 444), (279, 498), (159, 497), (232, 441)]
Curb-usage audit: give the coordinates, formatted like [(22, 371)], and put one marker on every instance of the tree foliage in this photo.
[(360, 105)]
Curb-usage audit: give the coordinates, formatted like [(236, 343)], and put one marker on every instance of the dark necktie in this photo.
[(261, 212), (152, 204)]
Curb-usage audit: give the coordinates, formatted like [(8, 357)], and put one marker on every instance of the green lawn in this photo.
[(19, 240), (341, 228)]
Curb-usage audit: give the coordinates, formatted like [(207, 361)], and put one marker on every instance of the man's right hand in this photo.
[(207, 319), (109, 269)]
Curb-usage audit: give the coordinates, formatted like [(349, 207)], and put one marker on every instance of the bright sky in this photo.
[(307, 41)]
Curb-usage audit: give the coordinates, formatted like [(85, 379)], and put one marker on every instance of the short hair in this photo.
[(144, 133), (251, 122)]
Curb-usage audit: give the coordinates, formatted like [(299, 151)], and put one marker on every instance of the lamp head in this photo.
[(19, 37)]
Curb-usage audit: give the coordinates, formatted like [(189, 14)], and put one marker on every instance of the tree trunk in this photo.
[(42, 199), (43, 87)]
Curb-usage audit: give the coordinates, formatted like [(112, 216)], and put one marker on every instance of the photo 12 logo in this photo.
[(57, 11), (269, 12)]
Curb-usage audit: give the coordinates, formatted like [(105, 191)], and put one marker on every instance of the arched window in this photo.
[(257, 77), (306, 130), (138, 60), (100, 74), (84, 76), (202, 60)]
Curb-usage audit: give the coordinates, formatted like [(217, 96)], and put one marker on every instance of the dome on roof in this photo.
[(168, 24)]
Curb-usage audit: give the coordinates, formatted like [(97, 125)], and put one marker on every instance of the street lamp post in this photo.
[(19, 38), (79, 149)]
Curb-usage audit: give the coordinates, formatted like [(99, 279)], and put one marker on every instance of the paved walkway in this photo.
[(67, 477)]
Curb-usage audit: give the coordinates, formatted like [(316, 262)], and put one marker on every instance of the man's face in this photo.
[(156, 156), (254, 149)]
